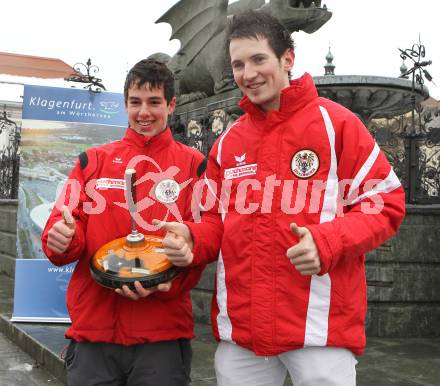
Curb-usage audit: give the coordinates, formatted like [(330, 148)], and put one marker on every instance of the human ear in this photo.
[(288, 59), (172, 105)]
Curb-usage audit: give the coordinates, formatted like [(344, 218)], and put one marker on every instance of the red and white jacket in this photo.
[(314, 163), (98, 314)]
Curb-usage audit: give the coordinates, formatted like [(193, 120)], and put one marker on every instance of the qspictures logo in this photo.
[(289, 195)]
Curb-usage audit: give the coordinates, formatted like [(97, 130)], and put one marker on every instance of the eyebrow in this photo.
[(252, 57), (259, 54), (151, 99)]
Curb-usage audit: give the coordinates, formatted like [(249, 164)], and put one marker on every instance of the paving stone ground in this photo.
[(18, 369)]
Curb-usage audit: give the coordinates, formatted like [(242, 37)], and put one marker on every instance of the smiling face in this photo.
[(258, 72), (148, 109)]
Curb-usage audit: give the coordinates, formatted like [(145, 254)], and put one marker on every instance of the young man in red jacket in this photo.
[(126, 337), (298, 192)]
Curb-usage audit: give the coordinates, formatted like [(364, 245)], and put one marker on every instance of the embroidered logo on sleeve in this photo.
[(241, 171), (305, 163), (167, 191)]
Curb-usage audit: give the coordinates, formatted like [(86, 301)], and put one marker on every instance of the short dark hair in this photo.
[(153, 72), (259, 24)]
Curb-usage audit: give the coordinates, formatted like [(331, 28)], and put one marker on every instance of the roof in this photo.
[(431, 103), (34, 66)]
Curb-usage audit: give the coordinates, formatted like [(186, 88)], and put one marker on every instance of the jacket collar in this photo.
[(158, 142), (293, 98)]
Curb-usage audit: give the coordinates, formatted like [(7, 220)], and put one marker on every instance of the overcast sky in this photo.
[(364, 36)]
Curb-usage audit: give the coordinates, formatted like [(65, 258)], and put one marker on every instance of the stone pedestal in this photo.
[(403, 277), (8, 236)]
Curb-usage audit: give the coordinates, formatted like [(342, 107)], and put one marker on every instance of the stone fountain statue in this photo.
[(200, 66), (203, 71)]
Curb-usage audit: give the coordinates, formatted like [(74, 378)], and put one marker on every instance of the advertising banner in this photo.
[(40, 291), (58, 125), (73, 105)]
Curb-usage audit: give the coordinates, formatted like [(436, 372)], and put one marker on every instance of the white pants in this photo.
[(310, 366)]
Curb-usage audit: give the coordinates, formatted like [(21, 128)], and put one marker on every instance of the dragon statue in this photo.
[(200, 65)]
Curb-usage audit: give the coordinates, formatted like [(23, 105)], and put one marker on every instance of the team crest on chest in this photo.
[(167, 191), (305, 163)]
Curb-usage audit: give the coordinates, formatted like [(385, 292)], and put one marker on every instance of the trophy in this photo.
[(136, 257)]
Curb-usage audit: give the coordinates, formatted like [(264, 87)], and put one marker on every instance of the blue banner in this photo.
[(74, 105), (40, 291)]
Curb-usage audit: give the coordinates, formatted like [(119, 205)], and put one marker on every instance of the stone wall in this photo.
[(403, 277), (8, 236)]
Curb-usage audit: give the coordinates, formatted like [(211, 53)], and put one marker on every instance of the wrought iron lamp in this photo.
[(84, 75), (421, 139)]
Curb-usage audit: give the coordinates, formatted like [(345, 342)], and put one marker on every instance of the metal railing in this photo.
[(412, 142), (9, 157)]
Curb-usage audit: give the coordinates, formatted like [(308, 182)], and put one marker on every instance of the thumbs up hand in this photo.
[(304, 255), (178, 242), (62, 232)]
